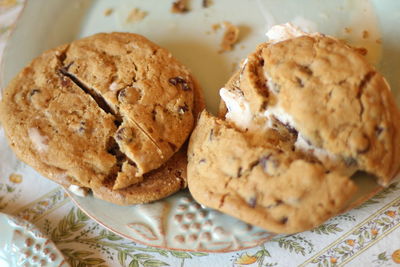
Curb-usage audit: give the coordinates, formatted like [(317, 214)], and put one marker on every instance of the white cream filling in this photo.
[(39, 141), (238, 108), (321, 154), (77, 190), (240, 114), (282, 32), (279, 113)]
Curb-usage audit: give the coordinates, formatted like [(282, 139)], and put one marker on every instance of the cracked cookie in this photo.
[(334, 103), (104, 111), (319, 102), (262, 183)]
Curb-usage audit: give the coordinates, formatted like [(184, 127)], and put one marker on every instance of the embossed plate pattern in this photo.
[(22, 244)]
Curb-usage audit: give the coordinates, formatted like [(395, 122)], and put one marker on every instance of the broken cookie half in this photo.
[(106, 113), (302, 115)]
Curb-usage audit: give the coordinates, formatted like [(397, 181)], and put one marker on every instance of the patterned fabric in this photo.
[(366, 236)]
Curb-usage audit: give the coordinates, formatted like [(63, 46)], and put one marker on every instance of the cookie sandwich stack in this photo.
[(303, 114)]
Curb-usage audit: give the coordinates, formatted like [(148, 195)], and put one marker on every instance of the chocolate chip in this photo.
[(117, 123), (82, 127), (179, 81), (202, 161), (153, 114), (174, 81), (121, 95), (306, 69), (185, 87), (252, 202), (183, 109), (284, 220), (124, 134), (239, 172), (211, 136), (378, 130), (178, 173), (34, 92), (300, 82), (263, 161), (308, 142), (276, 204), (173, 146), (291, 130), (262, 62), (264, 105), (350, 161)]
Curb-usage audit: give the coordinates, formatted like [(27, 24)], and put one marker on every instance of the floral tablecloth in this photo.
[(366, 236)]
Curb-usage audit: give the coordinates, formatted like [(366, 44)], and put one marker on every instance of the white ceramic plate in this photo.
[(177, 222), (22, 244)]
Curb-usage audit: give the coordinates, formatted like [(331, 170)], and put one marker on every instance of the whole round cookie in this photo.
[(103, 111), (298, 119)]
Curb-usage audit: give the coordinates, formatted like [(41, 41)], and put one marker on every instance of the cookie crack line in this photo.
[(118, 119), (105, 107), (90, 92), (121, 157), (148, 136), (102, 103), (363, 84)]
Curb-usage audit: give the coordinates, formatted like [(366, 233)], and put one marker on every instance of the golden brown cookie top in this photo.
[(107, 107), (328, 93), (261, 183)]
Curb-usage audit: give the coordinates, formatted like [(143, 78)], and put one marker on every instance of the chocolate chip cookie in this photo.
[(103, 111), (297, 120), (263, 183)]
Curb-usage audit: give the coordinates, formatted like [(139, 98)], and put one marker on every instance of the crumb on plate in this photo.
[(365, 34), (230, 37), (107, 12), (206, 3), (361, 50), (15, 178), (180, 6), (136, 15), (348, 30)]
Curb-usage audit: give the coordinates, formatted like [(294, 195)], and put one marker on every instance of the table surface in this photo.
[(368, 235)]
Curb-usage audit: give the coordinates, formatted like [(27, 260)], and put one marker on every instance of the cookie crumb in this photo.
[(15, 178), (136, 15), (180, 7), (230, 37), (215, 27), (365, 34), (361, 50), (108, 11), (206, 3), (348, 30)]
